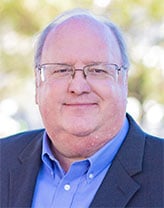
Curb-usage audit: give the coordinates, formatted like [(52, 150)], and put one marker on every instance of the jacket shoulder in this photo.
[(19, 163), (154, 150), (14, 144), (21, 136)]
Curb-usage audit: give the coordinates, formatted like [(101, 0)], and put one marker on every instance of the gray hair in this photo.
[(74, 14)]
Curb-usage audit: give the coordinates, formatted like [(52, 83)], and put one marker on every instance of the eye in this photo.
[(64, 70), (61, 71), (100, 71), (97, 71)]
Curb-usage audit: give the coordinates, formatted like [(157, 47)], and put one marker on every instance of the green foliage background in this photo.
[(142, 23)]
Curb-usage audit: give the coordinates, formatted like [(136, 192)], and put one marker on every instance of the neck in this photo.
[(66, 162), (76, 149)]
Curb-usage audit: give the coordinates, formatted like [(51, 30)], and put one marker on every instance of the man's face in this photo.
[(81, 108)]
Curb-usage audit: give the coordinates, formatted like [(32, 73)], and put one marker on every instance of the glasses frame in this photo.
[(83, 69)]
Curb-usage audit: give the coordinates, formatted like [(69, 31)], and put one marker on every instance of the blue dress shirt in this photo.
[(77, 187)]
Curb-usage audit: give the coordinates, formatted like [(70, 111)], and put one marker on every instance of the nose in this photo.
[(79, 84)]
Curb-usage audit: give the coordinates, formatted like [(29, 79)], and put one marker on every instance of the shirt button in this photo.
[(67, 187), (91, 175)]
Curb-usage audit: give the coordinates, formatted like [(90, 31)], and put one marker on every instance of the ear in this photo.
[(125, 77), (125, 81), (37, 78), (37, 85), (36, 96)]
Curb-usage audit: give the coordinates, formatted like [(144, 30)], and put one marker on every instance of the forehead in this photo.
[(81, 33), (81, 24)]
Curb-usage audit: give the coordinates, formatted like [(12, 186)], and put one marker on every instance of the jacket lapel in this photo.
[(119, 186), (23, 175)]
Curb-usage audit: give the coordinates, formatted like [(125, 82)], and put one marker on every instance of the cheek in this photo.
[(51, 91), (116, 107), (114, 96), (47, 97)]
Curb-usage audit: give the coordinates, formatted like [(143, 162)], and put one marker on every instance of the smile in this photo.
[(79, 104)]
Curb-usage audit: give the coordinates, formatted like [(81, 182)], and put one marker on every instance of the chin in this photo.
[(80, 131), (81, 134)]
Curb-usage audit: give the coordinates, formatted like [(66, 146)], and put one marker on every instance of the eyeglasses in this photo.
[(96, 71)]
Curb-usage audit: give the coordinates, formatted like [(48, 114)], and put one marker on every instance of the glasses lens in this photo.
[(56, 71), (94, 71), (101, 71)]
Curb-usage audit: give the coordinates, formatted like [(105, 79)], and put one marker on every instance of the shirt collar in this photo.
[(104, 157), (97, 162)]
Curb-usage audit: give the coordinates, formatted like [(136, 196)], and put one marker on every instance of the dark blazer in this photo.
[(135, 179)]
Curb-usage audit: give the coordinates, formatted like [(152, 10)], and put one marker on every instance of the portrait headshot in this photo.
[(91, 152)]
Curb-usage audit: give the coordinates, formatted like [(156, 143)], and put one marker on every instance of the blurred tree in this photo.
[(142, 23)]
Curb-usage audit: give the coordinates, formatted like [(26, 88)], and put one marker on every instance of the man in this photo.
[(91, 154)]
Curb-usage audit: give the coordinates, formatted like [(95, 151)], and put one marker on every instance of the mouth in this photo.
[(79, 104)]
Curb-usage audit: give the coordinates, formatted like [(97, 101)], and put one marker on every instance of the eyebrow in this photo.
[(70, 64)]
